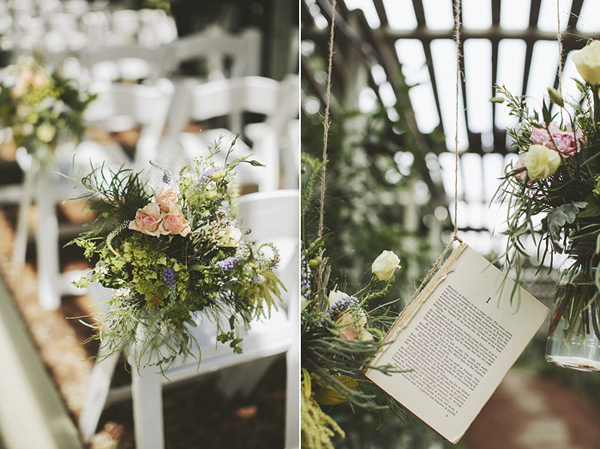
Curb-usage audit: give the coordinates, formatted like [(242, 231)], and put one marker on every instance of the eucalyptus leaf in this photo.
[(560, 216)]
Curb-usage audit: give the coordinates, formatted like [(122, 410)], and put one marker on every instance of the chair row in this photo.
[(60, 27), (212, 54)]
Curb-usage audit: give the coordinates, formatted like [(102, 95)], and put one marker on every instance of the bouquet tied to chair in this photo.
[(172, 256), (41, 106)]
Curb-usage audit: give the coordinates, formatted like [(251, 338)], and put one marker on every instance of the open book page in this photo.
[(458, 338)]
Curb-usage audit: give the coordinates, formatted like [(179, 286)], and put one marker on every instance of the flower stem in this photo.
[(596, 105)]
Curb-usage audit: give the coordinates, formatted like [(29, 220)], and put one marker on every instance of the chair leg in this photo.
[(47, 243), (292, 398), (100, 378), (147, 408), (20, 246)]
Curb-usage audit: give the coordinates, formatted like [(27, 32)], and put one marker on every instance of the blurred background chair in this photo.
[(274, 217), (267, 107)]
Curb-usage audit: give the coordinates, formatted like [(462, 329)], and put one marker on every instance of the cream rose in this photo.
[(175, 223), (541, 161), (354, 331), (384, 266), (147, 220), (229, 236), (587, 62), (166, 197)]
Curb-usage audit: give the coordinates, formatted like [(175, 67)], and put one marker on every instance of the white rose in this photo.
[(384, 266), (230, 236), (587, 62), (541, 161)]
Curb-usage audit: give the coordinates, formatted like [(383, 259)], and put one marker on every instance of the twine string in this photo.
[(560, 46), (457, 6), (326, 121), (325, 137), (457, 22)]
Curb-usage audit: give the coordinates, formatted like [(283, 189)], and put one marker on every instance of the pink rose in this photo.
[(166, 197), (567, 142), (39, 80), (175, 223), (353, 332), (25, 75), (520, 164), (147, 220)]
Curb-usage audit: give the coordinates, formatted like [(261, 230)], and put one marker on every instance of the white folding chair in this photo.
[(272, 216), (226, 55), (275, 102)]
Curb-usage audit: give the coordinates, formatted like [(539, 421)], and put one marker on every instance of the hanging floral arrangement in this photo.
[(553, 196), (171, 254), (340, 333)]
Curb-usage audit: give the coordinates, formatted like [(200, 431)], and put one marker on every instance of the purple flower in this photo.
[(228, 264), (205, 178), (167, 179), (336, 310), (168, 276)]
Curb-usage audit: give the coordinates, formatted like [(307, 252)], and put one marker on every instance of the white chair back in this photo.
[(227, 55), (124, 62), (277, 102), (123, 106)]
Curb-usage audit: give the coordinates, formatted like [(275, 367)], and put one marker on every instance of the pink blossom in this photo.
[(175, 223), (166, 198), (354, 331), (147, 220), (567, 142), (520, 164)]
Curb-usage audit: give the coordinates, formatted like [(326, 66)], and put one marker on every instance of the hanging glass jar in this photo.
[(574, 334)]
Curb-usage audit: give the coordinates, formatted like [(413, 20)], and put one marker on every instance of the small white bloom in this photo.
[(101, 271), (384, 266), (122, 293)]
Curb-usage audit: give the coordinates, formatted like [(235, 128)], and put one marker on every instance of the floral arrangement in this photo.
[(340, 333), (41, 105), (170, 254), (553, 192)]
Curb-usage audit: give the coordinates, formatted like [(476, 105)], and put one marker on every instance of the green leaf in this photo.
[(592, 209)]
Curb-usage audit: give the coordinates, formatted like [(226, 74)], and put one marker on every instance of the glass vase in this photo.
[(574, 334)]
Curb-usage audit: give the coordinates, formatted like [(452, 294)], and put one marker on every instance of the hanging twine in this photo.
[(560, 46), (326, 120), (325, 136), (457, 8)]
